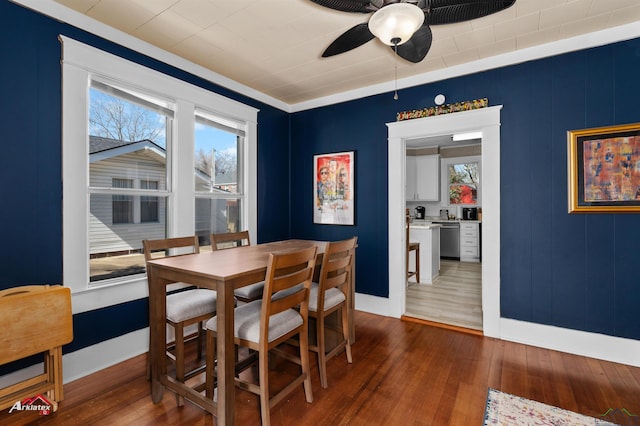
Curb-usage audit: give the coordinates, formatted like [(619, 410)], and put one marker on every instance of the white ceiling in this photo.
[(274, 46)]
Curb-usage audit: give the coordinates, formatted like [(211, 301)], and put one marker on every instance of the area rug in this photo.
[(506, 409)]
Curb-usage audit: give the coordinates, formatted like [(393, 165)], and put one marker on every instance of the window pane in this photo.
[(216, 216), (122, 205), (115, 250), (126, 140), (127, 153), (463, 183), (217, 158), (148, 205)]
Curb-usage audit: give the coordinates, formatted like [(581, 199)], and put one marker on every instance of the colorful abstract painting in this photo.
[(611, 169)]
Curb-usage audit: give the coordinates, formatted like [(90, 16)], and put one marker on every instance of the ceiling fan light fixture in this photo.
[(394, 24)]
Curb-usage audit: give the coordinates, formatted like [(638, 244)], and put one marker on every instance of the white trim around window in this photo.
[(81, 63)]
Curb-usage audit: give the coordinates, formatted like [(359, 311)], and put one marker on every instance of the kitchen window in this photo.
[(462, 177), (122, 188)]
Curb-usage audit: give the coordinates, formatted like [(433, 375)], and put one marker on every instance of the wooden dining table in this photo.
[(223, 271)]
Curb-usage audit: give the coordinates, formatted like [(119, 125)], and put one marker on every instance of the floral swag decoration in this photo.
[(443, 109)]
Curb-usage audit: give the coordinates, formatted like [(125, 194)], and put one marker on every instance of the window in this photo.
[(462, 177), (463, 183), (218, 182), (128, 131), (138, 182), (122, 205), (148, 205)]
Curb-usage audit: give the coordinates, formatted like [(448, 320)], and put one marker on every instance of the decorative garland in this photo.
[(443, 109)]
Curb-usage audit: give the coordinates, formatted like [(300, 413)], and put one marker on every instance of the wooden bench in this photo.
[(35, 319)]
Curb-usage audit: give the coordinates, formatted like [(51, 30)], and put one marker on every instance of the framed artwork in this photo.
[(604, 169), (333, 188)]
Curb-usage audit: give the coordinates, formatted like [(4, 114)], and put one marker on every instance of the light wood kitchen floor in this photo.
[(455, 298)]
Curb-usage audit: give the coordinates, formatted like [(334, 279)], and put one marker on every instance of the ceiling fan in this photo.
[(405, 24)]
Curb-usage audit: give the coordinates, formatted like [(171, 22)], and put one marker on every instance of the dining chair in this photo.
[(228, 240), (184, 308), (329, 295), (263, 325), (411, 246)]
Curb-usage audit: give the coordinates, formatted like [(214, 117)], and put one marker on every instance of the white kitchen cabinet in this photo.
[(423, 178), (469, 242), (411, 178)]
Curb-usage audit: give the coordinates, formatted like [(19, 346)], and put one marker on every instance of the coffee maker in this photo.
[(420, 212), (469, 213)]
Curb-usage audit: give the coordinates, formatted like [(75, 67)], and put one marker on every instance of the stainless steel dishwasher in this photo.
[(450, 240)]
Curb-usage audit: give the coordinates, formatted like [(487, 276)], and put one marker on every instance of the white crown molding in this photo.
[(586, 41), (71, 17), (598, 38)]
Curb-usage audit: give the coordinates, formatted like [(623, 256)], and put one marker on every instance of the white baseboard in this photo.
[(104, 354), (592, 345), (89, 360), (372, 304)]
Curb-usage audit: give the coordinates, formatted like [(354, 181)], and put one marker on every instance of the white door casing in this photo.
[(486, 120)]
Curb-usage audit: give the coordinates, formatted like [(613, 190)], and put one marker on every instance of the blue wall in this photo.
[(574, 271)]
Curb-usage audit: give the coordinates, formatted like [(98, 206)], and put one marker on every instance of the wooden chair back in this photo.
[(154, 249), (287, 271), (229, 240), (411, 247), (336, 270)]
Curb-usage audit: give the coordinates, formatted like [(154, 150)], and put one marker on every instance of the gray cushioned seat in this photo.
[(332, 297), (190, 304), (251, 291), (247, 322)]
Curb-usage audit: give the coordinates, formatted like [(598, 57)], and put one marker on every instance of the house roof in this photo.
[(101, 148), (100, 144)]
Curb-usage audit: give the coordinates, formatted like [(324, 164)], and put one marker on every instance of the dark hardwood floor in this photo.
[(403, 373)]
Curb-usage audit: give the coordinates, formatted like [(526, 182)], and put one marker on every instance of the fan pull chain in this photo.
[(395, 48)]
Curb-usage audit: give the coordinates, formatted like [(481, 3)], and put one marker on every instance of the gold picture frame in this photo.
[(604, 169)]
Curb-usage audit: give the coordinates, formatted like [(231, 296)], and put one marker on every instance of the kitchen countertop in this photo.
[(427, 221), (416, 224)]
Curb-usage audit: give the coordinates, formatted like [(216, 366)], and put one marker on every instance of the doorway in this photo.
[(486, 120), (454, 296)]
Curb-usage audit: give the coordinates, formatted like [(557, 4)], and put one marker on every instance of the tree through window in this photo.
[(463, 183)]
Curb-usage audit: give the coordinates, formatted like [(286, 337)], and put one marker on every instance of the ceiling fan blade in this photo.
[(416, 48), (358, 6), (352, 38), (452, 11)]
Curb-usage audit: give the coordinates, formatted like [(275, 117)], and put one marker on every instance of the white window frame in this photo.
[(444, 170), (80, 63)]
